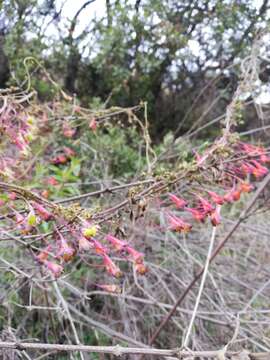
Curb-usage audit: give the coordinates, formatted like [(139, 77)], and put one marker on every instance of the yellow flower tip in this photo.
[(90, 231), (30, 120), (32, 219)]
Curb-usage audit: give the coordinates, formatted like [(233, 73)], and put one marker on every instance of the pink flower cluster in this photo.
[(63, 157), (17, 130), (85, 241), (247, 164), (18, 126), (71, 239)]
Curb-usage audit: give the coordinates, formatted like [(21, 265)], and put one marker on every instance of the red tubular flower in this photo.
[(43, 255), (197, 214), (136, 256), (65, 252), (228, 197), (217, 199), (247, 168), (118, 244), (246, 187), (54, 268), (259, 170), (111, 267), (264, 158), (45, 194), (233, 195), (238, 171), (99, 248), (236, 194), (42, 212), (250, 149), (52, 181), (178, 225), (141, 268), (93, 124), (247, 148), (69, 152), (20, 143), (215, 216), (60, 159), (84, 244), (253, 150), (205, 205), (180, 203)]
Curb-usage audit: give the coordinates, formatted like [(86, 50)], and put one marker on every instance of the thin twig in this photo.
[(206, 266), (65, 306)]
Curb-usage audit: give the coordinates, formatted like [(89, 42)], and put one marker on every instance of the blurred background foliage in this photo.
[(175, 55)]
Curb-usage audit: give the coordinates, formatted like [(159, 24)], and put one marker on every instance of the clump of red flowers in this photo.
[(249, 164), (18, 129), (63, 157), (178, 225), (68, 239)]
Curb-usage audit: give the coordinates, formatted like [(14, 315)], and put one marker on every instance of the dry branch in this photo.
[(118, 350)]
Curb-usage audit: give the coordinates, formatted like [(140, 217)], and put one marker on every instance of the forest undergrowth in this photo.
[(107, 238)]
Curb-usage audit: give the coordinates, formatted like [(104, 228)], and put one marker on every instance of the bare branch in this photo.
[(119, 350)]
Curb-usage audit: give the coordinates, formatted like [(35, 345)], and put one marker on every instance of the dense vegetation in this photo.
[(181, 57), (134, 178)]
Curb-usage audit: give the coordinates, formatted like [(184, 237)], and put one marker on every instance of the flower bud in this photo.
[(42, 212), (99, 248), (136, 256), (69, 152), (180, 203), (52, 181), (246, 187), (178, 225), (84, 244), (93, 124), (43, 255), (118, 244), (215, 216), (141, 268), (54, 268), (111, 267), (217, 199)]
